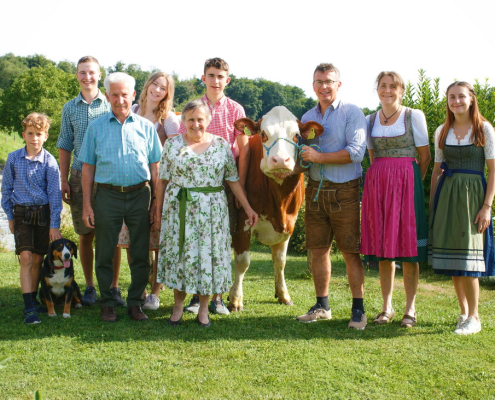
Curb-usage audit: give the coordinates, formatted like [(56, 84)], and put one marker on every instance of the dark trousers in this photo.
[(111, 208)]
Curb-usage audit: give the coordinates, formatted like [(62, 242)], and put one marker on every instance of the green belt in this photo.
[(184, 195)]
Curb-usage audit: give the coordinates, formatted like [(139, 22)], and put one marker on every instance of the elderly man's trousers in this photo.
[(111, 208)]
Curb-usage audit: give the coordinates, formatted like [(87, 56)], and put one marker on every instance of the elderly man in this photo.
[(120, 152), (335, 211)]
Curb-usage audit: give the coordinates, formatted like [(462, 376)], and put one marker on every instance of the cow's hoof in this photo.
[(235, 309), (287, 303), (78, 305), (52, 315), (66, 315)]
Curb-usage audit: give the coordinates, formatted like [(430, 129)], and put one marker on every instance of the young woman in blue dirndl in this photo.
[(461, 229)]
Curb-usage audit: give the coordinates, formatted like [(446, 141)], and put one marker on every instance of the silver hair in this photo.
[(119, 77), (194, 105)]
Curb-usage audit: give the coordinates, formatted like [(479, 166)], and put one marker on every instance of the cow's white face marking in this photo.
[(278, 130)]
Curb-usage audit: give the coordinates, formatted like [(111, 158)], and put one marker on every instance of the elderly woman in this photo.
[(155, 104), (194, 252), (461, 229), (393, 218)]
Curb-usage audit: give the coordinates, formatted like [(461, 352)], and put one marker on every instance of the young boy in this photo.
[(32, 200), (224, 112)]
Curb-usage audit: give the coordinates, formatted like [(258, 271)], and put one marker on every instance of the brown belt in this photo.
[(330, 184), (123, 189)]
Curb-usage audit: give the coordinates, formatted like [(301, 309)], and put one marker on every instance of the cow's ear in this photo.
[(310, 129), (248, 126)]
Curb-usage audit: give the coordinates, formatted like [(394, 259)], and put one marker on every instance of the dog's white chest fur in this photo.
[(58, 281)]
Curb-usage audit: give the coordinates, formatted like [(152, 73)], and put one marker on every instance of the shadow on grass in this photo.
[(85, 326)]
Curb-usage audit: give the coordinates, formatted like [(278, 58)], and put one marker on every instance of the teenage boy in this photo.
[(224, 112), (89, 105), (32, 200)]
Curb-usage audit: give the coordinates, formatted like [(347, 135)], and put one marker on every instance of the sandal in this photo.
[(408, 321), (387, 317)]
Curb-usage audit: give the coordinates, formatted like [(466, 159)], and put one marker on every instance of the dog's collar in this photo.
[(57, 264)]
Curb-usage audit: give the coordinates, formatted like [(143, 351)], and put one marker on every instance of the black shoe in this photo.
[(207, 325), (38, 307), (89, 297), (30, 317), (175, 323), (117, 296)]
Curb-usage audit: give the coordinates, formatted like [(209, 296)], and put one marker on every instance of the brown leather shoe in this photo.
[(136, 313), (108, 314)]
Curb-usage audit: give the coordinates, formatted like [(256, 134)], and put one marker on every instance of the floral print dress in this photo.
[(204, 266)]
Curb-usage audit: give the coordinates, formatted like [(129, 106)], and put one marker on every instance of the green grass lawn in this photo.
[(9, 143), (260, 353)]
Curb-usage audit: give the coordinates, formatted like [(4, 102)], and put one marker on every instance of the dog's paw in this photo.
[(66, 315), (78, 305), (52, 315)]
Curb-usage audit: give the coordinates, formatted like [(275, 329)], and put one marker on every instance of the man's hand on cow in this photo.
[(310, 155), (88, 216), (65, 192)]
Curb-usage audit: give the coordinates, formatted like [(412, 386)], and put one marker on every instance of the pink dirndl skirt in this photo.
[(388, 220)]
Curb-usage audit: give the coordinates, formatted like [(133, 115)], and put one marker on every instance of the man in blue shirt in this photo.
[(335, 212), (120, 152)]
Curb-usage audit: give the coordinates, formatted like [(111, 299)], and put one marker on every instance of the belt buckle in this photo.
[(121, 190)]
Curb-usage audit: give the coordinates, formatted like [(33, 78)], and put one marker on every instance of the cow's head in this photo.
[(280, 131)]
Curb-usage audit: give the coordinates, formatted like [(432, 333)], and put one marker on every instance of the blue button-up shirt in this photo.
[(76, 116), (345, 129), (121, 152), (33, 182)]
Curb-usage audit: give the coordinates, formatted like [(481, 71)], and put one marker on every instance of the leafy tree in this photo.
[(246, 93), (187, 90), (11, 67), (67, 66), (40, 89), (39, 60), (273, 95)]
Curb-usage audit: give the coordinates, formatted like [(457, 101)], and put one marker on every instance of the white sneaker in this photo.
[(152, 302), (460, 321), (471, 326), (193, 306), (217, 307)]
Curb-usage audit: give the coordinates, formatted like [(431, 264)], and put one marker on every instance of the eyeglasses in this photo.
[(321, 83)]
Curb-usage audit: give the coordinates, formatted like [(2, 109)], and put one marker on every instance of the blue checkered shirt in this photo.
[(345, 129), (33, 182), (121, 153), (76, 116)]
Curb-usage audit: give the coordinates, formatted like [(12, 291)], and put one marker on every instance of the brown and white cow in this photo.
[(277, 201)]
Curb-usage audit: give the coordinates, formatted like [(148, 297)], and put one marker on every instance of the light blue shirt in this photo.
[(33, 182), (121, 153), (77, 114), (345, 129)]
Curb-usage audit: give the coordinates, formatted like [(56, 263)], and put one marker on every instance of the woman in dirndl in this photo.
[(461, 228), (393, 218)]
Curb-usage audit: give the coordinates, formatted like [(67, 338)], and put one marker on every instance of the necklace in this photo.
[(460, 134), (387, 118)]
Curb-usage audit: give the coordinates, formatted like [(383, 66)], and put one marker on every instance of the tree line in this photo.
[(35, 83)]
